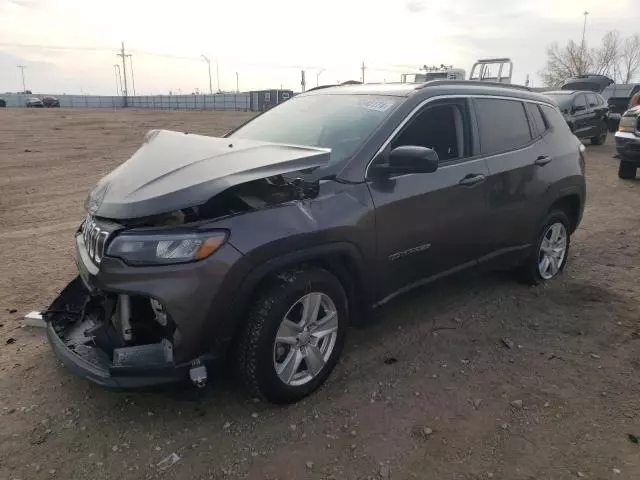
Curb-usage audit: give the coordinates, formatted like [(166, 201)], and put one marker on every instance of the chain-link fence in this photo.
[(216, 101)]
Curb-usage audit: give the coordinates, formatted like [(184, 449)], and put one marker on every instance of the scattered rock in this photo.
[(309, 465), (384, 472), (168, 462), (293, 427), (604, 394), (353, 446), (353, 433), (149, 414), (546, 404), (580, 474), (254, 415), (634, 438), (476, 403), (597, 357), (12, 310), (489, 475), (114, 448), (39, 435), (427, 431), (390, 360), (226, 426), (504, 426), (507, 342), (617, 471), (10, 341), (26, 150), (52, 471), (517, 404)]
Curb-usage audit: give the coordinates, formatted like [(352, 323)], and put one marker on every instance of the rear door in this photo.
[(515, 155), (581, 116), (431, 223), (597, 114)]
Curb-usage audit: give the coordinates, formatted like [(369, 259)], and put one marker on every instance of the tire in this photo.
[(626, 170), (257, 351), (530, 271), (602, 137)]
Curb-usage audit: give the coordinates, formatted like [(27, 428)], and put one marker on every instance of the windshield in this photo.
[(339, 122), (563, 100)]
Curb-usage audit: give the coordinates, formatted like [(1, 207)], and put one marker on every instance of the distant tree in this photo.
[(615, 57), (629, 58)]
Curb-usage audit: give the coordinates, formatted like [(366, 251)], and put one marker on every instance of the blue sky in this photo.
[(267, 42)]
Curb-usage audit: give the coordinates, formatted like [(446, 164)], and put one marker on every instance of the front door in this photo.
[(429, 224)]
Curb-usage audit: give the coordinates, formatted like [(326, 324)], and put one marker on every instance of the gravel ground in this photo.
[(476, 377)]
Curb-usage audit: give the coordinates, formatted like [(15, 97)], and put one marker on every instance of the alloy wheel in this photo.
[(305, 339), (553, 250)]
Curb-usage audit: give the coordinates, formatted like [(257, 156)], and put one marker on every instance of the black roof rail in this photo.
[(435, 83)]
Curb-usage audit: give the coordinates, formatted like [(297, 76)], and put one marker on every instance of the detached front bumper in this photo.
[(628, 146)]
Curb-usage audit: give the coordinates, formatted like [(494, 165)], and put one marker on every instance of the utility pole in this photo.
[(318, 76), (116, 69), (237, 84), (526, 82), (303, 81), (218, 75), (363, 68), (124, 70), (206, 59), (584, 29), (22, 67), (133, 80)]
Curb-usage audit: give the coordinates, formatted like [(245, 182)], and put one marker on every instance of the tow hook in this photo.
[(198, 373)]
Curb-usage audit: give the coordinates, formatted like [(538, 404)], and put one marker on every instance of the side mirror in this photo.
[(409, 159)]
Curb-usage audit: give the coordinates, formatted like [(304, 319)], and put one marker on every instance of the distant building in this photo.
[(261, 100)]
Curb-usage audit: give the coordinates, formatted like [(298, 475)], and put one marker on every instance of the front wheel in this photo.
[(626, 170), (294, 335), (551, 252)]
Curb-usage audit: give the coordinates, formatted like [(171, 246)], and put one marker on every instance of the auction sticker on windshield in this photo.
[(377, 105)]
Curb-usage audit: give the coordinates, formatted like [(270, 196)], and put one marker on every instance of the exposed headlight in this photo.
[(163, 249)]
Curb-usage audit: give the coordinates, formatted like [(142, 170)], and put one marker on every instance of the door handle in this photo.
[(542, 160), (472, 179)]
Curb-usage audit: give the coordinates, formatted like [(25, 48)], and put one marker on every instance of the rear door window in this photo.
[(502, 125)]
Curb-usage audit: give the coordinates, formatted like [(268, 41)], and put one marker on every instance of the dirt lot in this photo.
[(455, 404)]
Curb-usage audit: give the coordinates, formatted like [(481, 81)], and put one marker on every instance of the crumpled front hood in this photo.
[(174, 170)]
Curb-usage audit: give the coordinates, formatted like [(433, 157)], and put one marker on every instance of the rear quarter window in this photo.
[(535, 115), (554, 119), (502, 125)]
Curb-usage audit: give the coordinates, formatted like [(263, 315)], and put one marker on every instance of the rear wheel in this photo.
[(601, 138), (294, 335), (626, 170), (549, 257)]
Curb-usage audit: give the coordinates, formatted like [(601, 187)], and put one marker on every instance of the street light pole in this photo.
[(318, 76), (584, 29), (237, 83), (206, 59), (22, 67)]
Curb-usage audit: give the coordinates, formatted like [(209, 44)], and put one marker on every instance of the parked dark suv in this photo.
[(586, 114), (267, 243)]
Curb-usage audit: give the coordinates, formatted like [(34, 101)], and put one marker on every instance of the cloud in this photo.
[(415, 6)]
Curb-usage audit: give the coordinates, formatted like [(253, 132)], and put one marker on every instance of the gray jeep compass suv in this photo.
[(263, 246)]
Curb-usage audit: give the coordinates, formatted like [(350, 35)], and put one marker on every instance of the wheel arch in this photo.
[(571, 204), (342, 259)]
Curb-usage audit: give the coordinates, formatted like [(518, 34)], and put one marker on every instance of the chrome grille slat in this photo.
[(95, 239)]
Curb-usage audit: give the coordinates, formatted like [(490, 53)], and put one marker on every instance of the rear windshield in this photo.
[(339, 122), (590, 86), (564, 100)]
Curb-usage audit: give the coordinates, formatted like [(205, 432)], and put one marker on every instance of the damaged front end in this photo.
[(115, 340)]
